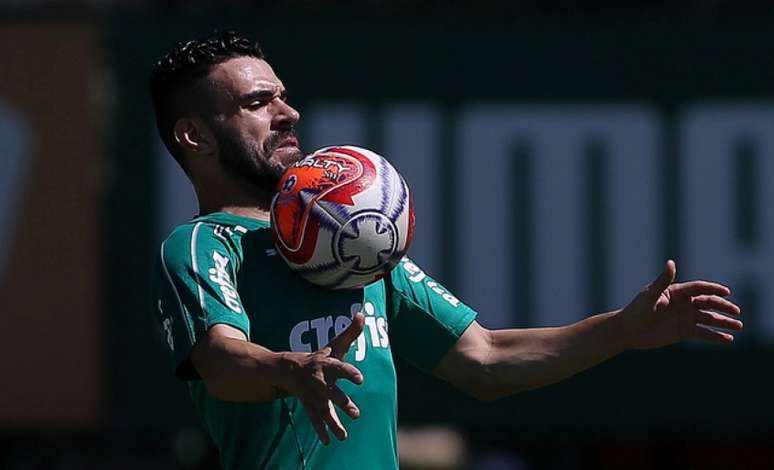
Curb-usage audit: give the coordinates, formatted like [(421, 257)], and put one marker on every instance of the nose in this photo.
[(285, 115)]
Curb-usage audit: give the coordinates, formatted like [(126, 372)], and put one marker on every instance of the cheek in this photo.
[(255, 127), (261, 128), (262, 122)]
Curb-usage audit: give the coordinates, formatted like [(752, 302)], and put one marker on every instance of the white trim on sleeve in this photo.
[(188, 326), (197, 277)]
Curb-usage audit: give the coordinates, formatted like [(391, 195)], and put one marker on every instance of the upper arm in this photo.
[(427, 320), (465, 361), (195, 289), (202, 357)]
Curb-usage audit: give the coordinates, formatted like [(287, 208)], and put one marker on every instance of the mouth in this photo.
[(288, 142)]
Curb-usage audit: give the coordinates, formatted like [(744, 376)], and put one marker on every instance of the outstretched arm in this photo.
[(234, 369), (491, 364)]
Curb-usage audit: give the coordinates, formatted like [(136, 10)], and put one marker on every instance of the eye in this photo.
[(256, 104)]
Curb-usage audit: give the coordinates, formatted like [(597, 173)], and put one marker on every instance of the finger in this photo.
[(343, 401), (340, 344), (714, 302), (713, 319), (345, 370), (326, 351), (706, 333), (315, 416), (663, 281), (333, 422), (695, 288), (317, 386)]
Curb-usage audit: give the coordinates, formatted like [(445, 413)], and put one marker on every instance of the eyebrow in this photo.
[(261, 94)]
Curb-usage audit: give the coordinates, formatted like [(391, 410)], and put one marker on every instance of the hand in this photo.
[(666, 312), (313, 380)]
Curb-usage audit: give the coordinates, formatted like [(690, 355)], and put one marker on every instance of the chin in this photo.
[(286, 156)]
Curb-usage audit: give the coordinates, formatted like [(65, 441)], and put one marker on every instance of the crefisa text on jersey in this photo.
[(375, 331), (301, 337)]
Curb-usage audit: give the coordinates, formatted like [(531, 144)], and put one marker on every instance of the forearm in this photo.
[(492, 364), (523, 359), (236, 370)]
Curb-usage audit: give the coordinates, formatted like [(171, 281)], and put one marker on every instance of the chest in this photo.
[(289, 314)]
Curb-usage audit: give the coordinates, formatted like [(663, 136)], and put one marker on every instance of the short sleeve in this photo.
[(194, 289), (426, 318)]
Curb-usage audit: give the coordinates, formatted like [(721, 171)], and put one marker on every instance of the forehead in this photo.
[(243, 75)]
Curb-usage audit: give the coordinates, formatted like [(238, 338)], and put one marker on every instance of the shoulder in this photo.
[(190, 241)]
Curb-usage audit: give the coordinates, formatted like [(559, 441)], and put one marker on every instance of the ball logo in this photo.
[(371, 225), (342, 217), (289, 183)]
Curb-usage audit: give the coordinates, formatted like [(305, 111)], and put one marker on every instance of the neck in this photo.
[(243, 199), (243, 211)]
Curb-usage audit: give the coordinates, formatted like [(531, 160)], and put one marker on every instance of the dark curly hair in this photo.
[(176, 84)]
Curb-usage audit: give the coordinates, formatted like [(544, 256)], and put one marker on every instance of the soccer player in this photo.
[(275, 364)]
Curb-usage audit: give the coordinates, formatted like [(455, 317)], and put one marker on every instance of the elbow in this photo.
[(486, 385), (475, 367), (481, 384), (479, 380)]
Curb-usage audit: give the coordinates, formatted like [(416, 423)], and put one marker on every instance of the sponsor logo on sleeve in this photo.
[(167, 325), (220, 276), (223, 232), (415, 275)]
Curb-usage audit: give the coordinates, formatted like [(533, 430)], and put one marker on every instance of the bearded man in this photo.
[(267, 355)]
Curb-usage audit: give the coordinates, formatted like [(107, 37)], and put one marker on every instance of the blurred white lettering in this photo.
[(728, 155), (554, 139)]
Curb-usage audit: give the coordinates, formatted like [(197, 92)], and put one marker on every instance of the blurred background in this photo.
[(559, 152)]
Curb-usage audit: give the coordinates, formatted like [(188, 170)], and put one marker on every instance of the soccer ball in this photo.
[(342, 217)]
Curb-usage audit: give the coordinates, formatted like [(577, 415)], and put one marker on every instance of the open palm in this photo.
[(666, 312)]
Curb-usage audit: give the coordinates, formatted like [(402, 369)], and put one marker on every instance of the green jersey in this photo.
[(223, 269)]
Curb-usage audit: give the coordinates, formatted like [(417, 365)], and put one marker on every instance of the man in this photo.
[(267, 356)]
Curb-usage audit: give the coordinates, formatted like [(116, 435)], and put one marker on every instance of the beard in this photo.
[(247, 161)]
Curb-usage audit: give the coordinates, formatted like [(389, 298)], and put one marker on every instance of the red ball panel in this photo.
[(335, 176)]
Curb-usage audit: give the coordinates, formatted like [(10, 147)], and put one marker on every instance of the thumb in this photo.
[(340, 344), (660, 284)]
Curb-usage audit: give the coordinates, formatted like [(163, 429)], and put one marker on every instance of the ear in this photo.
[(194, 136)]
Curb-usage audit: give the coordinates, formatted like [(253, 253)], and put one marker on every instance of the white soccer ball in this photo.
[(343, 217)]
